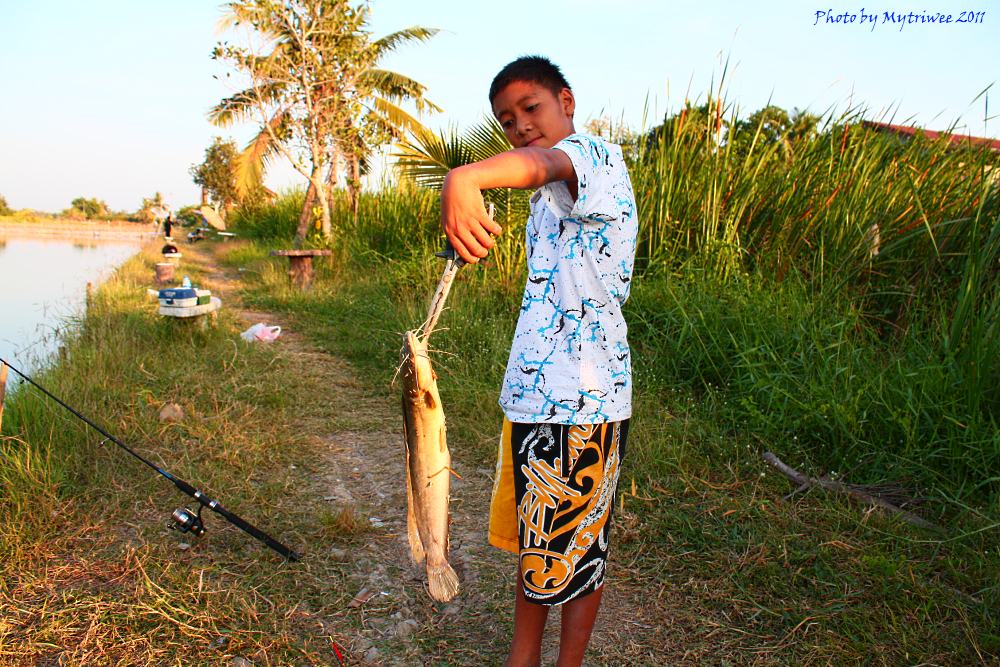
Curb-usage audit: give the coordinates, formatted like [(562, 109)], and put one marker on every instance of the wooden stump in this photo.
[(300, 269), (164, 272)]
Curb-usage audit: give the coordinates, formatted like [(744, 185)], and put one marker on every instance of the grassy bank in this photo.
[(702, 518), (833, 301), (707, 546), (89, 574)]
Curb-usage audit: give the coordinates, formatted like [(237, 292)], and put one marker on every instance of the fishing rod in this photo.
[(182, 519)]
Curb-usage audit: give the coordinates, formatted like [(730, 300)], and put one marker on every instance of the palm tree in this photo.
[(375, 93)]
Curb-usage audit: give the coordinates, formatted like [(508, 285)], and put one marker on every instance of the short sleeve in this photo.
[(598, 166)]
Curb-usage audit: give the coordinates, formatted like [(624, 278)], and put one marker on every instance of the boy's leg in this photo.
[(578, 618), (529, 626)]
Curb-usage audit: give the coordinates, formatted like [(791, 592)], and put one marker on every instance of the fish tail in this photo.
[(443, 582), (416, 546)]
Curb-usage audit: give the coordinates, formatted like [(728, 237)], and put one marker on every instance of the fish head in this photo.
[(417, 373)]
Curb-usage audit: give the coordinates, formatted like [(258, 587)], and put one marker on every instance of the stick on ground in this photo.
[(804, 481)]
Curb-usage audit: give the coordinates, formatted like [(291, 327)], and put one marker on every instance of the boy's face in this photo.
[(531, 115)]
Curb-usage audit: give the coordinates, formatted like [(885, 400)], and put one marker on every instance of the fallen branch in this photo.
[(804, 481)]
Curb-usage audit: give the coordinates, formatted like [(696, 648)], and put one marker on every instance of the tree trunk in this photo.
[(306, 217), (354, 183), (331, 177), (324, 203)]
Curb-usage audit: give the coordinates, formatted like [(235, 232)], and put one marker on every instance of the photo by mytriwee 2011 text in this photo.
[(567, 390)]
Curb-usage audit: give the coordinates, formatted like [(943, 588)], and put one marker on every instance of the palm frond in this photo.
[(427, 157), (234, 13), (239, 12), (240, 106), (397, 87), (487, 139), (390, 42), (396, 117), (253, 160)]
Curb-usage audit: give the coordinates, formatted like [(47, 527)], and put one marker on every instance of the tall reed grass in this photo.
[(840, 290)]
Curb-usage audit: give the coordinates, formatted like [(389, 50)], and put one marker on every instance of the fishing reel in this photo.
[(187, 521)]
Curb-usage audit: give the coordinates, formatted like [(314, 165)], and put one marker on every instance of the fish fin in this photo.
[(442, 581), (412, 533), (416, 546)]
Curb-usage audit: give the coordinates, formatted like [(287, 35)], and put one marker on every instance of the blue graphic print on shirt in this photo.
[(569, 361)]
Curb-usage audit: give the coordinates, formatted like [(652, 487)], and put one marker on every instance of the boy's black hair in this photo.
[(536, 69)]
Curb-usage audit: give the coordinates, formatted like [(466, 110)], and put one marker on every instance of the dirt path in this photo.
[(362, 469)]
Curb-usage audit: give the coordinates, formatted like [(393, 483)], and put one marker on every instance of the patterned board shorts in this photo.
[(552, 501)]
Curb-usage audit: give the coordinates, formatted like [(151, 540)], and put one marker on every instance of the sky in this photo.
[(108, 98)]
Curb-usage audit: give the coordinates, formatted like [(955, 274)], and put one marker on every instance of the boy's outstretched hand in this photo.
[(463, 215)]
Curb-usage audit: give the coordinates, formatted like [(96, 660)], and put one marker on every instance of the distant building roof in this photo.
[(909, 131)]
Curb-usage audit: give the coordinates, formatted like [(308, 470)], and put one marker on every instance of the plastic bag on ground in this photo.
[(261, 332)]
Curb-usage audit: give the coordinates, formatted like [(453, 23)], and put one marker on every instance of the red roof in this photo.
[(992, 144)]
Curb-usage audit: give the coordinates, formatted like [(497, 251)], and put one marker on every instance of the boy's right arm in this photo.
[(463, 215)]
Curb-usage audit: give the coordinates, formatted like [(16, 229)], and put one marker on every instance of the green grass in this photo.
[(704, 540), (725, 372), (812, 367), (88, 573), (760, 321)]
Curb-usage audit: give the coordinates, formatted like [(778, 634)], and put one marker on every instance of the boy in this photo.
[(566, 393)]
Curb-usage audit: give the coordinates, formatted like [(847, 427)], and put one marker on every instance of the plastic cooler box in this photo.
[(178, 297)]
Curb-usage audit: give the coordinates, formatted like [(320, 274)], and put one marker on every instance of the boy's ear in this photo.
[(567, 102)]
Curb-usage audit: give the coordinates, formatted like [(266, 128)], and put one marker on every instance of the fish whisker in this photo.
[(444, 352), (395, 375)]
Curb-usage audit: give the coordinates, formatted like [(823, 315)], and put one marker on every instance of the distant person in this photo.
[(567, 391), (168, 224)]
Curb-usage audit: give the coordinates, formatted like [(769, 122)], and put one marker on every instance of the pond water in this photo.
[(43, 286)]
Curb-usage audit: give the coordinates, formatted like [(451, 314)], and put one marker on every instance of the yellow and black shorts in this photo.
[(553, 497)]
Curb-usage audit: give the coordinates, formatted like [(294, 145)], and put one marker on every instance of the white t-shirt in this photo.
[(569, 361)]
